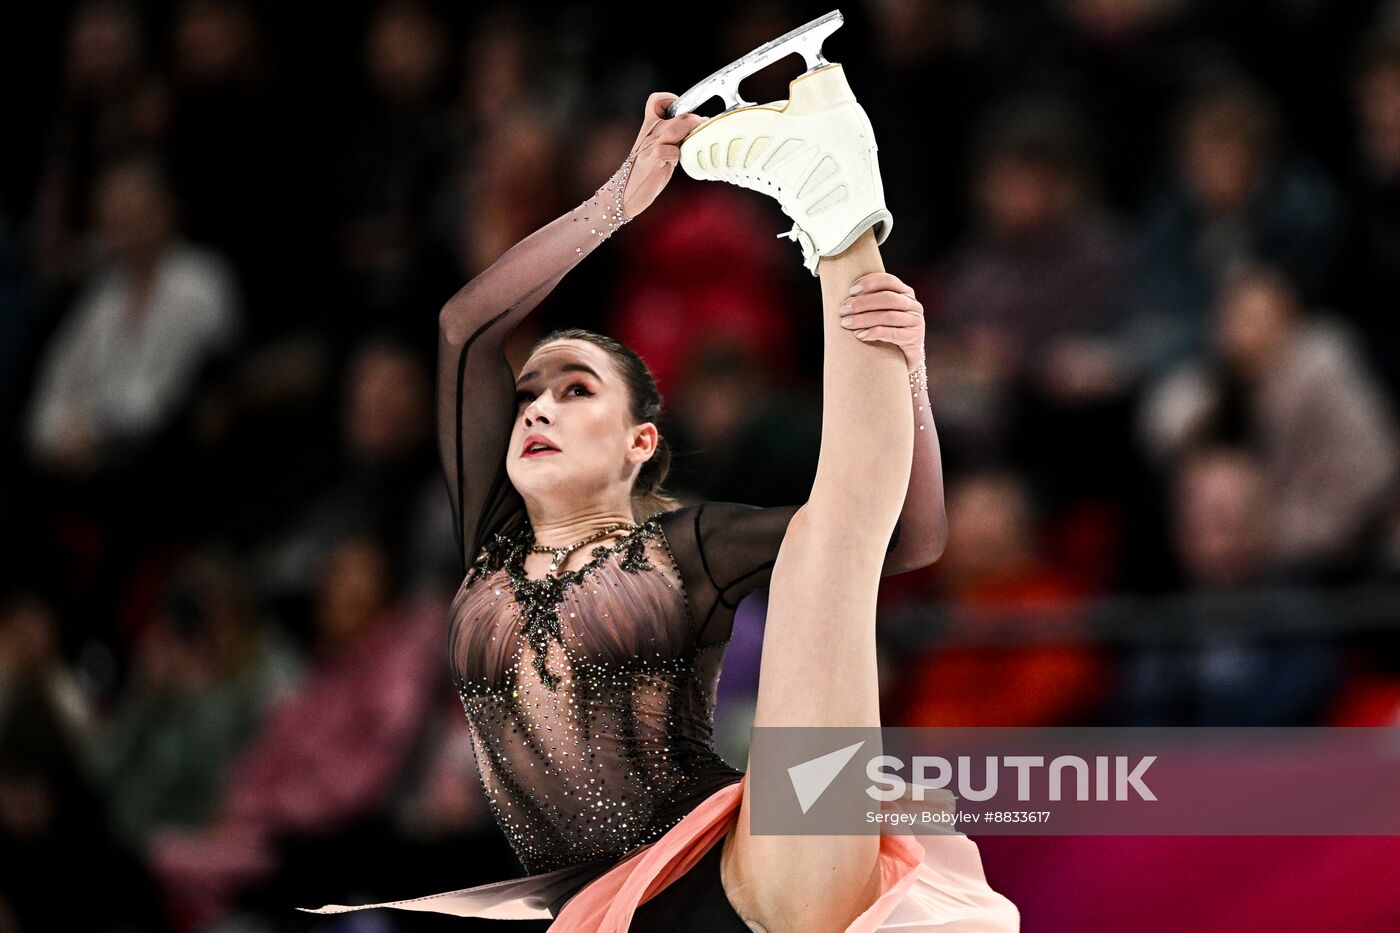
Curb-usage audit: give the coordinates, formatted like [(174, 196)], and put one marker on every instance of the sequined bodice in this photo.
[(590, 703)]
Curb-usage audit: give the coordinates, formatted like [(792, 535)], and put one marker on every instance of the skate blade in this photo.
[(724, 83)]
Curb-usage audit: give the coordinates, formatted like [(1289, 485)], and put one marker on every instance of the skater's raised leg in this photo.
[(818, 666)]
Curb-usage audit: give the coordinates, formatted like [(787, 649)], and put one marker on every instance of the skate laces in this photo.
[(809, 249)]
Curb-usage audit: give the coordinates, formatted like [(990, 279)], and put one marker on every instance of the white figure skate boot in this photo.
[(814, 153)]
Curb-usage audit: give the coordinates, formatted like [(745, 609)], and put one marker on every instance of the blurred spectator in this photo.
[(31, 658), (392, 175), (507, 188), (924, 46), (1027, 365), (738, 435), (499, 67), (1032, 300), (669, 292), (1121, 61), (1045, 268), (405, 53), (387, 480), (1298, 50), (438, 826), (328, 754), (52, 829), (111, 103), (1221, 676), (111, 458), (1373, 279), (230, 122), (1240, 196), (262, 433), (443, 801), (1298, 390), (204, 673), (994, 567), (131, 351)]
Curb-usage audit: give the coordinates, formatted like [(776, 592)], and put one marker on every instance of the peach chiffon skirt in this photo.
[(927, 883)]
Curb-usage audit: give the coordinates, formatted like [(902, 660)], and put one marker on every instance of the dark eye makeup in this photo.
[(523, 396)]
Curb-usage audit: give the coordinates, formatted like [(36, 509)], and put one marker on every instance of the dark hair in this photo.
[(648, 498)]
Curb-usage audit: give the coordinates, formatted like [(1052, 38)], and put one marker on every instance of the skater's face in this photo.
[(570, 395)]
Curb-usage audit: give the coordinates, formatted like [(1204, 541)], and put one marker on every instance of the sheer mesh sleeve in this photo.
[(724, 551), (475, 383)]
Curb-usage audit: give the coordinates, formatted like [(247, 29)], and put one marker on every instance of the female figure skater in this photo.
[(587, 636)]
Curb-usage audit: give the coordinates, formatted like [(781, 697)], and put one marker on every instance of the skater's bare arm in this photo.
[(883, 309), (475, 384)]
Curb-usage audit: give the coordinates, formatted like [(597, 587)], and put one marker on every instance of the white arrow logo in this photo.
[(811, 778)]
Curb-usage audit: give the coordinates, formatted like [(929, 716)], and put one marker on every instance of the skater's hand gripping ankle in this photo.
[(655, 153), (882, 309)]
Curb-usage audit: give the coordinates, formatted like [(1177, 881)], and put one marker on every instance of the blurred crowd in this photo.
[(1158, 245)]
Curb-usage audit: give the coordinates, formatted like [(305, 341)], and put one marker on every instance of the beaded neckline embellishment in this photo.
[(540, 599)]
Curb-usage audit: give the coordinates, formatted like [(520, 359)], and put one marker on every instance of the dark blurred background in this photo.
[(1158, 244)]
